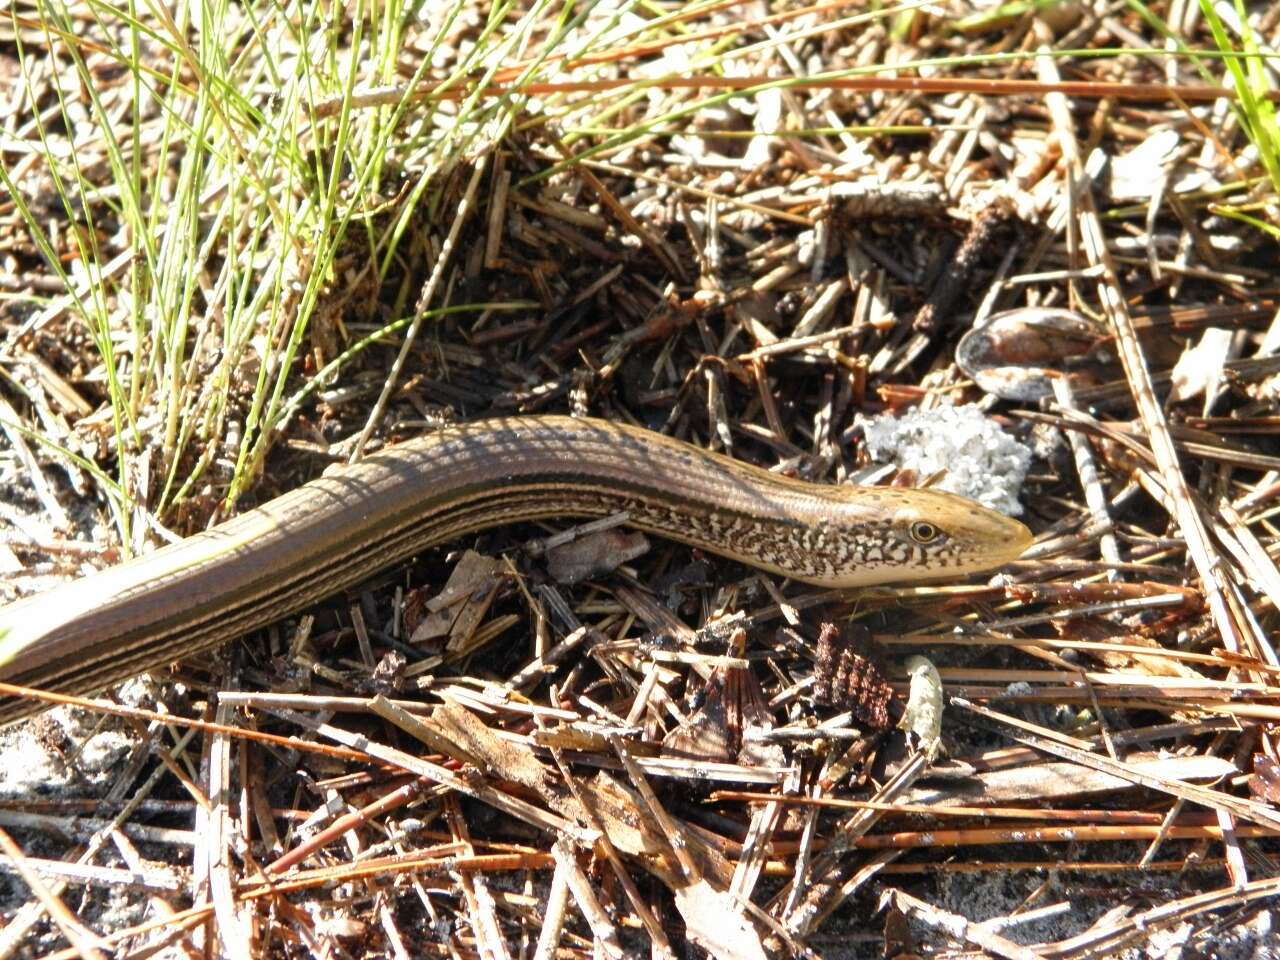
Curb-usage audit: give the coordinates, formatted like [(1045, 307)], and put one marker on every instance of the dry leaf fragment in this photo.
[(1137, 173), (1265, 782), (714, 921), (595, 554), (1015, 354), (1199, 369), (459, 608), (495, 756)]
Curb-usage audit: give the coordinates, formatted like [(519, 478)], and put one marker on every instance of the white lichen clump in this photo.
[(977, 459)]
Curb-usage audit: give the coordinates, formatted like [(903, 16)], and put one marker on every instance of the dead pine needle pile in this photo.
[(1025, 252)]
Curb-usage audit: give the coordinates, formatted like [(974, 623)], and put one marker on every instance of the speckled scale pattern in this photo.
[(341, 528)]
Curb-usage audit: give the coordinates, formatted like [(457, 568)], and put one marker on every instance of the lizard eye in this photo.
[(924, 532)]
